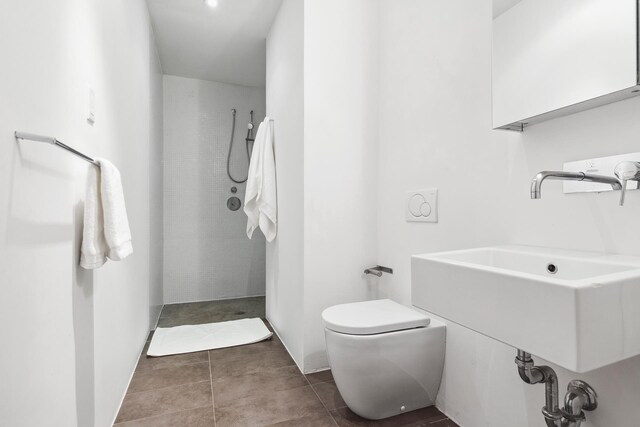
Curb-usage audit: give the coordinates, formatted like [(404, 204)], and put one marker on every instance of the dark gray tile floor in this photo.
[(253, 385)]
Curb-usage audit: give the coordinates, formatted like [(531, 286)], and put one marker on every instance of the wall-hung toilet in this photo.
[(385, 358)]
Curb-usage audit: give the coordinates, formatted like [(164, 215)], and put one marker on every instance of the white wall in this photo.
[(72, 336), (285, 105), (340, 160), (207, 254), (156, 208), (326, 164), (434, 130), (435, 126)]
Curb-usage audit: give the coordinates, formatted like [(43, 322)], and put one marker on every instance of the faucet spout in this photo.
[(536, 183)]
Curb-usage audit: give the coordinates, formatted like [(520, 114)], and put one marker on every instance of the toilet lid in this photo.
[(372, 317)]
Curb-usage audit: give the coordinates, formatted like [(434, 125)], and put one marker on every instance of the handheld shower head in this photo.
[(250, 137)]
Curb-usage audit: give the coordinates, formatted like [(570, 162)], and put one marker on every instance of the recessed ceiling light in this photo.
[(211, 3)]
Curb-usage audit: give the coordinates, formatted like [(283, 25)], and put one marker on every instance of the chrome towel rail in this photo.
[(53, 141)]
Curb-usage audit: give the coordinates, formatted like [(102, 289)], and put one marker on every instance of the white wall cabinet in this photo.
[(552, 58)]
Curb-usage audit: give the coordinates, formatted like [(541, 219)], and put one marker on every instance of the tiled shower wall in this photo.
[(207, 254)]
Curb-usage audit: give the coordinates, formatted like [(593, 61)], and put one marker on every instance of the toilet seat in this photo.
[(372, 317)]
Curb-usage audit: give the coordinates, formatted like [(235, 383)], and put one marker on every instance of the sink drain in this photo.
[(552, 268)]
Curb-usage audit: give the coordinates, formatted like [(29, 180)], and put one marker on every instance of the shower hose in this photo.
[(233, 129)]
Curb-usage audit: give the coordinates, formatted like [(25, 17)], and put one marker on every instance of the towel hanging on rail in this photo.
[(260, 203), (106, 231)]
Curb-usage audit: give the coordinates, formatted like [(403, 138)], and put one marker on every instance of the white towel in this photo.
[(106, 231), (93, 252), (260, 202)]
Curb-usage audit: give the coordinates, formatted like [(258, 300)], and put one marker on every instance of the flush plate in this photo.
[(422, 205), (598, 166)]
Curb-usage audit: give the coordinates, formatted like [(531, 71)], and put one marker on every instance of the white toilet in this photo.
[(385, 358)]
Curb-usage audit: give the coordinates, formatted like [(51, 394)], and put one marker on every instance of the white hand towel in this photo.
[(106, 231), (93, 253), (254, 183), (260, 203)]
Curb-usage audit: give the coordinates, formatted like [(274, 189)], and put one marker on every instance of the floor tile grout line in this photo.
[(439, 421), (249, 399), (321, 402), (181, 365), (320, 382), (163, 388), (250, 372), (163, 414), (213, 402), (318, 396), (253, 356), (307, 380)]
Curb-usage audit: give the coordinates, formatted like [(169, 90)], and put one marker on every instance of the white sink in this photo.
[(583, 317)]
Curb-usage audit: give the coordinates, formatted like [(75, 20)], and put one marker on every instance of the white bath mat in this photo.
[(191, 338)]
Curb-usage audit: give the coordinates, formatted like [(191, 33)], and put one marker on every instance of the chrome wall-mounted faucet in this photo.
[(627, 171), (536, 183)]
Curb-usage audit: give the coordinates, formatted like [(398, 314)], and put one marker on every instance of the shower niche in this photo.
[(553, 58)]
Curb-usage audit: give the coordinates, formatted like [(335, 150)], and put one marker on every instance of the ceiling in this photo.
[(225, 44), (501, 6)]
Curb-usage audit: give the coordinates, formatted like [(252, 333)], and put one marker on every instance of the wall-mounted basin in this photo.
[(579, 310)]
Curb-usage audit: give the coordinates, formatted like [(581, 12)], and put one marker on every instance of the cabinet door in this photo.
[(552, 58)]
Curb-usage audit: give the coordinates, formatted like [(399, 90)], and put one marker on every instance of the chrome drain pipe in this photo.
[(532, 374), (580, 396)]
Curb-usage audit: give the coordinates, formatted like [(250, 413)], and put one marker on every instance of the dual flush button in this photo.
[(422, 206)]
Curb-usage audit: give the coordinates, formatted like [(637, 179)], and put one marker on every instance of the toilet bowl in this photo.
[(386, 358)]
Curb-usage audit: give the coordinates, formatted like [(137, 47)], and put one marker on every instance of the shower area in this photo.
[(207, 255)]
